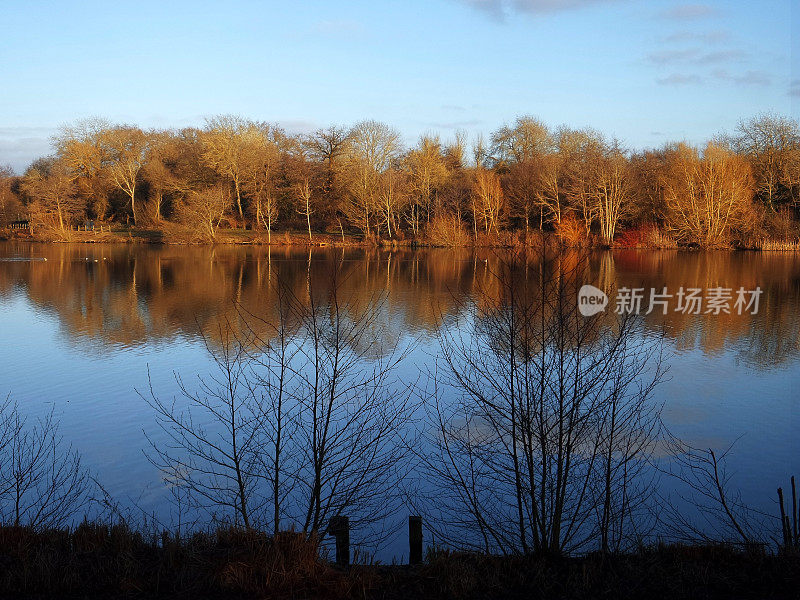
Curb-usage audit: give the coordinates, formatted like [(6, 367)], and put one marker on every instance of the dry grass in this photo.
[(647, 236), (448, 231), (96, 560), (445, 231), (101, 561), (769, 245)]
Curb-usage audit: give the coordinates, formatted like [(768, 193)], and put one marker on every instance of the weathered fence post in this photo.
[(339, 527), (414, 540)]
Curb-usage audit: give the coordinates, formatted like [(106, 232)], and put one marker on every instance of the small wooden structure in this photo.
[(414, 540), (21, 224), (339, 527)]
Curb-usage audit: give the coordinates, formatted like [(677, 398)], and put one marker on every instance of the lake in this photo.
[(80, 331)]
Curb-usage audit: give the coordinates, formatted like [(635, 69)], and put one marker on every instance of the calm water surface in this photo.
[(79, 331)]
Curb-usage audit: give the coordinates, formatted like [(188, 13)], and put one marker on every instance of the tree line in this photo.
[(526, 178)]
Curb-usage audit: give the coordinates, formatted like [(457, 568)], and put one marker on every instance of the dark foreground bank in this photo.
[(97, 561)]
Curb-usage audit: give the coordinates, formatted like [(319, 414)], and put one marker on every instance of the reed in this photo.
[(772, 245), (790, 521)]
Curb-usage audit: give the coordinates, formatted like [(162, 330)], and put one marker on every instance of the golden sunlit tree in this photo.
[(490, 201), (10, 207), (706, 195), (227, 140), (81, 149), (527, 139), (50, 186), (550, 187), (261, 159), (392, 199), (373, 146), (772, 146), (610, 190), (203, 209), (162, 151), (126, 150), (427, 171)]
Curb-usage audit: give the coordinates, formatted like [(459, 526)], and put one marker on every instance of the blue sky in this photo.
[(645, 72)]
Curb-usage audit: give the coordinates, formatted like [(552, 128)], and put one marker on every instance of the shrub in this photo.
[(648, 235), (447, 231), (571, 231)]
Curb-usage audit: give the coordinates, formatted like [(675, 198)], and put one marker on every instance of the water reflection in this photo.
[(129, 296)]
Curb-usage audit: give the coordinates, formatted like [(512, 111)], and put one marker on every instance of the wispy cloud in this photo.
[(19, 146), (500, 9), (689, 12), (699, 37), (295, 126), (692, 56), (695, 56), (678, 79), (748, 78), (454, 124)]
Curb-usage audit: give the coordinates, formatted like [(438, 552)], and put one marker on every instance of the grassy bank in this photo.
[(98, 561), (643, 238), (181, 236)]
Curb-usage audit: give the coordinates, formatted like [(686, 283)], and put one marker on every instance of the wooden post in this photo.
[(787, 530), (414, 540), (339, 527)]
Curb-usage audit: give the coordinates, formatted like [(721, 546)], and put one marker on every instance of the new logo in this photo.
[(591, 300)]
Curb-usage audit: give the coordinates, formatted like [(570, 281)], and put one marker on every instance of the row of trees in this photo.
[(240, 173)]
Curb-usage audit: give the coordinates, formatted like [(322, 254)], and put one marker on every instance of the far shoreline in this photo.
[(299, 239)]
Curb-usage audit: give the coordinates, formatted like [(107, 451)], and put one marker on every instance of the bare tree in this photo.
[(373, 147), (10, 206), (271, 384), (772, 145), (43, 483), (526, 140), (213, 447), (126, 151), (82, 150), (352, 415), (703, 506), (226, 141), (545, 440), (162, 151), (427, 171), (51, 188), (303, 202), (329, 146), (706, 196), (392, 199), (610, 189), (490, 204), (302, 421), (261, 162), (204, 208)]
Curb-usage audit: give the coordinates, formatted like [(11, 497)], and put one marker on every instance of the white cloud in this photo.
[(20, 146)]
